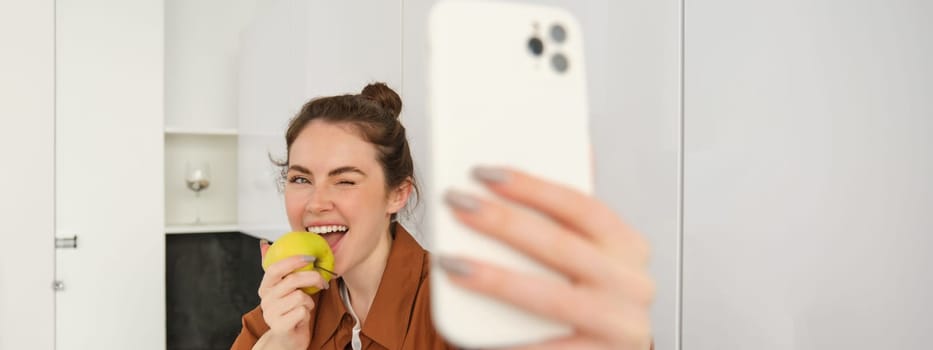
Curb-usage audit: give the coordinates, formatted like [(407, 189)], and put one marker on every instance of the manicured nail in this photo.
[(461, 201), (490, 174), (308, 259), (454, 266)]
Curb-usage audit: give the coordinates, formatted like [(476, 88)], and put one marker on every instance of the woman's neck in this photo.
[(363, 281)]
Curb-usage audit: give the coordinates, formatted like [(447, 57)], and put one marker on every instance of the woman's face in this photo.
[(336, 186)]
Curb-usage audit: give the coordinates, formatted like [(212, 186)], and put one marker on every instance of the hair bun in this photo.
[(384, 96)]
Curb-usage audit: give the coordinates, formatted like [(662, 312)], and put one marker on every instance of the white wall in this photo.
[(638, 142), (808, 175), (27, 131)]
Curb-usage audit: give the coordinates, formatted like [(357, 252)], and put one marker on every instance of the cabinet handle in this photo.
[(67, 242)]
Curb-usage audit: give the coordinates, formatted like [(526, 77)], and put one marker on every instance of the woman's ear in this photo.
[(398, 197)]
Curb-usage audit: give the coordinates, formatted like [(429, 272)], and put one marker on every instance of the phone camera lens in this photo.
[(536, 46), (558, 33), (559, 62)]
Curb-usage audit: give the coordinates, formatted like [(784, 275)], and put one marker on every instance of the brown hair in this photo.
[(374, 113)]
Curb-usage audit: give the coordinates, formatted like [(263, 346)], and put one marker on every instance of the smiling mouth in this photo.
[(333, 234)]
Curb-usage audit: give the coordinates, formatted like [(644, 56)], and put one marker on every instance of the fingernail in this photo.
[(461, 201), (454, 266), (489, 174), (326, 286), (263, 242), (308, 259)]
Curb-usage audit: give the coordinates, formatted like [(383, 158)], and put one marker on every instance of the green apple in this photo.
[(302, 243)]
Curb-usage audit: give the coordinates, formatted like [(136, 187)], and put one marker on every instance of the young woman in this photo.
[(349, 172)]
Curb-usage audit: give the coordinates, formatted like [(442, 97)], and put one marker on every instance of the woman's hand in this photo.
[(608, 300), (285, 307)]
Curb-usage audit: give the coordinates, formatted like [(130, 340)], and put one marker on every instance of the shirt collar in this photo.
[(330, 313), (390, 314)]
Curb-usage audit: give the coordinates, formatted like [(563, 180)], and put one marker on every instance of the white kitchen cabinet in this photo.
[(82, 120), (201, 50), (27, 178), (109, 174)]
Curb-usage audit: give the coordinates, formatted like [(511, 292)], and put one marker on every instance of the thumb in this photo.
[(263, 248)]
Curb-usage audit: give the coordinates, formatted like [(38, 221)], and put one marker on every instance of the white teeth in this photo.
[(326, 229)]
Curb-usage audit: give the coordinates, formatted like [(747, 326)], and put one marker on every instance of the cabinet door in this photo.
[(808, 168), (109, 174), (27, 179)]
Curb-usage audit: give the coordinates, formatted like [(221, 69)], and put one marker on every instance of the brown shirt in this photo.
[(399, 318)]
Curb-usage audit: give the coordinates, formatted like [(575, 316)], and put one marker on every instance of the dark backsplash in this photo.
[(211, 280)]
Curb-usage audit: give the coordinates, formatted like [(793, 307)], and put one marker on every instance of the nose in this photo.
[(319, 202)]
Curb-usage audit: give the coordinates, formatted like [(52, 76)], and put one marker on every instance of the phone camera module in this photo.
[(536, 46), (558, 33), (559, 63)]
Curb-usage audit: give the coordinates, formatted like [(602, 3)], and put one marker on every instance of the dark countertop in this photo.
[(211, 280)]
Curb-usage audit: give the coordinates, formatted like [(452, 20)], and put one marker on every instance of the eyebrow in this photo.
[(344, 170), (335, 172), (299, 169)]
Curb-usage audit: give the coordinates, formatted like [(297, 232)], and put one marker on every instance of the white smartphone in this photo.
[(507, 87)]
